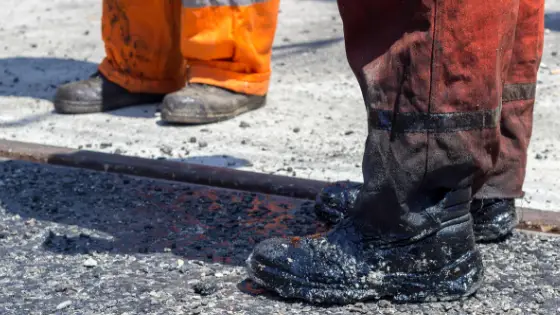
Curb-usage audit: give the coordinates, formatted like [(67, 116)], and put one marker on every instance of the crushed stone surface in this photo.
[(81, 242)]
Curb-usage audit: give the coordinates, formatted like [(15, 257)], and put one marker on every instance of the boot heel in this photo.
[(454, 282), (445, 266), (494, 219)]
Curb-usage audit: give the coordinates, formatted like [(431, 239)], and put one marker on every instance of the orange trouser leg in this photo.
[(228, 43), (142, 44), (518, 99), (431, 74)]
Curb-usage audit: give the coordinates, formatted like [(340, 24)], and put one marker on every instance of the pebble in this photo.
[(244, 124), (205, 288), (90, 262), (167, 150), (296, 130), (63, 305), (192, 139), (202, 144)]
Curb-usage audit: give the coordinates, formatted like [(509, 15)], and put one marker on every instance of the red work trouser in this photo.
[(449, 87)]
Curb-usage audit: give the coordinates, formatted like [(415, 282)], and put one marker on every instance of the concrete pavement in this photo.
[(313, 126)]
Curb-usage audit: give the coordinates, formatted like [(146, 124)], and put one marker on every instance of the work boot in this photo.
[(98, 94), (494, 219), (202, 104), (428, 256)]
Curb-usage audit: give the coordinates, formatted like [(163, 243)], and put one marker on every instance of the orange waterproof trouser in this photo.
[(449, 88), (156, 46)]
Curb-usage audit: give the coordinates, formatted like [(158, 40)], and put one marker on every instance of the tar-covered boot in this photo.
[(432, 80), (333, 202), (425, 255), (494, 219), (97, 94), (202, 103)]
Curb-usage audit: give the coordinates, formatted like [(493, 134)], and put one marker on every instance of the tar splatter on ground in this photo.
[(80, 242)]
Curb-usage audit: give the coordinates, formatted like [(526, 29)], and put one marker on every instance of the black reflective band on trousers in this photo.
[(195, 4), (519, 92), (433, 122), (449, 122)]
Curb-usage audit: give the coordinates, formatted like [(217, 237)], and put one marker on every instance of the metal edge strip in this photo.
[(161, 169), (530, 219)]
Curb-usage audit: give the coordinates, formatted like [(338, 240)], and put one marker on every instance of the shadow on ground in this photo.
[(286, 50), (39, 78), (552, 21), (101, 212)]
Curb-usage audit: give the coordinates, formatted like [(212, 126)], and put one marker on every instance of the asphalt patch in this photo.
[(166, 248)]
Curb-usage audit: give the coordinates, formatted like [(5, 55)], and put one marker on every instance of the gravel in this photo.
[(82, 242), (312, 90)]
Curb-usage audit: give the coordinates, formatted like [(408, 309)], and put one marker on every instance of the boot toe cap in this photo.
[(181, 105), (77, 92), (300, 260), (272, 252)]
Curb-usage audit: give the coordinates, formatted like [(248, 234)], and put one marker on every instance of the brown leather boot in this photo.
[(202, 104), (98, 94)]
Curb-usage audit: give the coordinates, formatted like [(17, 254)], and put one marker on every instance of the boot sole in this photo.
[(457, 280), (69, 107), (74, 107), (440, 286), (175, 118)]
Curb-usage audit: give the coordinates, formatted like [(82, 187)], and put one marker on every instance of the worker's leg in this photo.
[(505, 181), (431, 76), (228, 46), (142, 42), (518, 98), (143, 58), (493, 208)]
